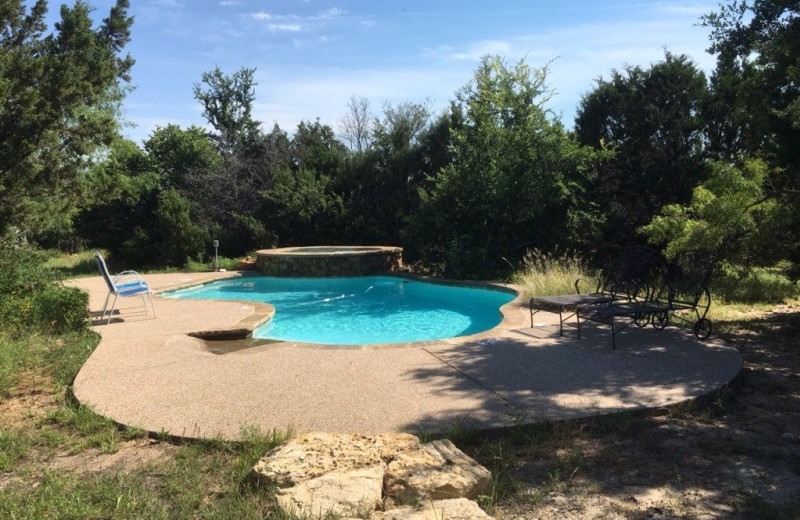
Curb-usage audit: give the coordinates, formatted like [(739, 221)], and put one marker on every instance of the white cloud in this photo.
[(293, 22), (482, 48), (230, 3), (287, 27), (696, 10), (177, 4), (578, 55), (333, 12)]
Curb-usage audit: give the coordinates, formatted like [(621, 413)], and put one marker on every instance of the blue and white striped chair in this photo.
[(125, 284)]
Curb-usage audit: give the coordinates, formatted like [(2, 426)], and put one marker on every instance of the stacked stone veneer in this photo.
[(351, 261)]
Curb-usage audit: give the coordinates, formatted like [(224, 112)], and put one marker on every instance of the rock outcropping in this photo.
[(383, 477)]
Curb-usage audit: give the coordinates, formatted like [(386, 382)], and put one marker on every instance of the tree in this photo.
[(653, 122), (228, 197), (515, 180), (315, 148), (175, 152), (121, 216), (228, 105), (400, 125), (756, 109), (59, 96), (356, 124), (179, 238), (724, 210), (757, 80), (299, 206), (380, 186)]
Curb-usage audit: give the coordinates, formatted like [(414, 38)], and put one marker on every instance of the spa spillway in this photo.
[(329, 261)]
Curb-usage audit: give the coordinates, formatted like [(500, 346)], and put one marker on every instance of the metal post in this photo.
[(216, 255)]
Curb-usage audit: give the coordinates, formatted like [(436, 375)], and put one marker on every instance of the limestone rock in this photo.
[(453, 509), (436, 470), (316, 454), (343, 492)]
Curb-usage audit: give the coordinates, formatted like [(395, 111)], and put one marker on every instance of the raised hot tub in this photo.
[(329, 261)]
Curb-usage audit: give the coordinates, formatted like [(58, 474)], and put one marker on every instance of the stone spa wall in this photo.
[(329, 261)]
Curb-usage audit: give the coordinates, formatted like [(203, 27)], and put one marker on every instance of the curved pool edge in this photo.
[(148, 374), (512, 313)]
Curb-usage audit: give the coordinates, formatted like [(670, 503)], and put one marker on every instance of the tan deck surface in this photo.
[(150, 374)]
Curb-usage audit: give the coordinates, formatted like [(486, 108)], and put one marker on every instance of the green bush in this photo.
[(199, 266), (754, 285), (32, 297), (60, 308)]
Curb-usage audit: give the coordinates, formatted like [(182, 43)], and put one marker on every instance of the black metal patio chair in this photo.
[(688, 297), (683, 291), (629, 279)]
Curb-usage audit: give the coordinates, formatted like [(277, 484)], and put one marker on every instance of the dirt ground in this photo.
[(735, 455)]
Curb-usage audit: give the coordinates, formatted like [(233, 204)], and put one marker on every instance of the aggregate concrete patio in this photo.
[(150, 374)]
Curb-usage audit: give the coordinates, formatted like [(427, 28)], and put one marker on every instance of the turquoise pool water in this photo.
[(363, 310)]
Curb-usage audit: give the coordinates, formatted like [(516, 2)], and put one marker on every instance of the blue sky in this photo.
[(312, 55)]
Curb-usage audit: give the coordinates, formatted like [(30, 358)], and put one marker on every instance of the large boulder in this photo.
[(436, 470), (343, 492), (355, 475), (316, 454), (453, 509)]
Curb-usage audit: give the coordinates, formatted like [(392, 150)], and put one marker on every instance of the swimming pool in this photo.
[(361, 310)]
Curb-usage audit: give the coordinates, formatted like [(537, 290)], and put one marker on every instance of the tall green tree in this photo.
[(228, 106), (176, 152), (380, 187), (515, 180), (757, 80), (59, 95), (299, 205), (121, 217), (756, 108), (652, 119), (725, 211)]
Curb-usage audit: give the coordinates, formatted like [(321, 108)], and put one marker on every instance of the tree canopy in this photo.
[(652, 120), (515, 179), (59, 95)]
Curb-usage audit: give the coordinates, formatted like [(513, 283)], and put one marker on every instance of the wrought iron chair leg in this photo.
[(613, 335)]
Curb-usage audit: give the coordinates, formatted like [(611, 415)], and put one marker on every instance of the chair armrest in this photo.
[(578, 289), (128, 278)]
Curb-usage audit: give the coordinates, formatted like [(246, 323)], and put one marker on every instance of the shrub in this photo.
[(31, 296), (60, 308)]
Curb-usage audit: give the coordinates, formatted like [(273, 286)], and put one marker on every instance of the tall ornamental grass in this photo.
[(548, 274)]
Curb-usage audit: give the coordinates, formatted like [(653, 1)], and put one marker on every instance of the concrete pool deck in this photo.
[(149, 373)]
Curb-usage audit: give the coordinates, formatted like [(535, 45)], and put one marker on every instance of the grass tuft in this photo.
[(229, 264), (548, 274)]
